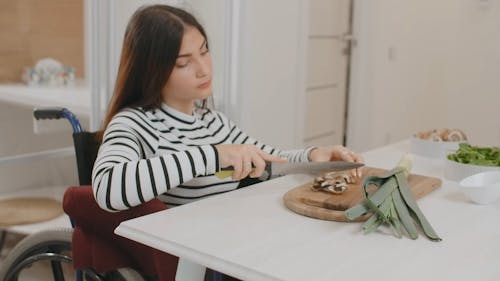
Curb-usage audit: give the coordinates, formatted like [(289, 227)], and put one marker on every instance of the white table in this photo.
[(251, 235)]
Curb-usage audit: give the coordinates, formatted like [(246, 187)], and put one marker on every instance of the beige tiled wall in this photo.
[(35, 29)]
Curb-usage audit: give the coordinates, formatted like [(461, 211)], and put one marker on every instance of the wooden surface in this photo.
[(33, 29), (28, 210), (327, 206)]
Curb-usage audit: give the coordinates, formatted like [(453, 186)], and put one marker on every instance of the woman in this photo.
[(160, 139)]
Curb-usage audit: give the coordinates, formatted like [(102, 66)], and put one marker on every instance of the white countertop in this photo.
[(250, 234), (75, 98)]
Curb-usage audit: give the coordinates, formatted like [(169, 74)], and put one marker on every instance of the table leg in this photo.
[(189, 271)]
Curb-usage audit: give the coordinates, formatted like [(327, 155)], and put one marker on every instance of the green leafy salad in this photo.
[(482, 156)]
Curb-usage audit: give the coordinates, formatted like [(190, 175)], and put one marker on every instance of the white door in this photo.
[(327, 71)]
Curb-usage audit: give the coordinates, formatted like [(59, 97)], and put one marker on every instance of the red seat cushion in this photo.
[(96, 246)]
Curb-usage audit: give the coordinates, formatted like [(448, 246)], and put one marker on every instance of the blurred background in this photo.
[(290, 72)]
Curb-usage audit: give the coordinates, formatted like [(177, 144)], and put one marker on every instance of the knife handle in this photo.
[(223, 174), (226, 172)]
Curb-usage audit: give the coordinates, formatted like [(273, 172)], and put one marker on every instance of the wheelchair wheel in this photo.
[(52, 247)]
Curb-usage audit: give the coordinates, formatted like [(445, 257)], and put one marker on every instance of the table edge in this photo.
[(190, 254)]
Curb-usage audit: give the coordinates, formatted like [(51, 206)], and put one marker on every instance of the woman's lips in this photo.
[(204, 85)]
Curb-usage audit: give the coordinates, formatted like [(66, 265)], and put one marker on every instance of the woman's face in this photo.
[(191, 77)]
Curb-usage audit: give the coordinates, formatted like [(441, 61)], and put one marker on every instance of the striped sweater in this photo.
[(166, 154)]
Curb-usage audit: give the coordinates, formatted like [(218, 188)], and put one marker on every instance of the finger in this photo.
[(359, 172), (347, 156), (260, 166), (238, 169), (271, 158), (247, 167), (338, 152), (358, 159)]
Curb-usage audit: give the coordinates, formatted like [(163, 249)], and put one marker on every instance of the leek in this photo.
[(392, 204)]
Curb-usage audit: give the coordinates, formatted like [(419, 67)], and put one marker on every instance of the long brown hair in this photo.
[(150, 47)]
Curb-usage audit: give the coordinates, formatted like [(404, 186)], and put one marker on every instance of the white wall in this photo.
[(271, 78), (474, 88), (16, 125), (421, 65)]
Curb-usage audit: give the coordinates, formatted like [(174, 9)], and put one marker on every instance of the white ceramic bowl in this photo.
[(433, 149), (456, 171), (482, 188)]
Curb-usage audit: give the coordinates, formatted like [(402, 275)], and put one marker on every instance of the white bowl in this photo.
[(433, 149), (482, 188), (456, 171)]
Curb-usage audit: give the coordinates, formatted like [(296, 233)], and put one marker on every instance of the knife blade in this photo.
[(274, 169)]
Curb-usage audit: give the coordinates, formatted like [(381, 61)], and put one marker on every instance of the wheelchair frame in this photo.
[(53, 245)]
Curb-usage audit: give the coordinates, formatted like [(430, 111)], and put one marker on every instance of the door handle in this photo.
[(346, 37)]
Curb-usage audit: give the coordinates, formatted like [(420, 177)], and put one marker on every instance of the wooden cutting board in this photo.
[(327, 206)]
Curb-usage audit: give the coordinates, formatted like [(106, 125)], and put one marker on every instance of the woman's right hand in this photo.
[(243, 158)]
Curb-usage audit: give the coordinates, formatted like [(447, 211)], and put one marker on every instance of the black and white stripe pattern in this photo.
[(167, 154)]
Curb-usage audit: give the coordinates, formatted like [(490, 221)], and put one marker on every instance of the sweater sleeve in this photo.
[(240, 137), (122, 178)]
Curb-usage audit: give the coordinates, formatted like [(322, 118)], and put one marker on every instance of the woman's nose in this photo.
[(203, 68)]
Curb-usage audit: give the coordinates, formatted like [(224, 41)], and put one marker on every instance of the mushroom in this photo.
[(332, 182)]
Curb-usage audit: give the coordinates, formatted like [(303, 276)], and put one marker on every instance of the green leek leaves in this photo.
[(392, 204)]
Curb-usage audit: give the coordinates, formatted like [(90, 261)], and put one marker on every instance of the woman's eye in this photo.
[(204, 52), (183, 64)]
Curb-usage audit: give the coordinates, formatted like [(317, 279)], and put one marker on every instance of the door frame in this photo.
[(360, 96)]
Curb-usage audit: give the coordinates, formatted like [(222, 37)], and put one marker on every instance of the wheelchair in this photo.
[(88, 250)]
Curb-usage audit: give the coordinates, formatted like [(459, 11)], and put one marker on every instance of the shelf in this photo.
[(38, 156), (75, 98)]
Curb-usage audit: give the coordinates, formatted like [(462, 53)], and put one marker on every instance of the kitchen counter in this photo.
[(76, 98)]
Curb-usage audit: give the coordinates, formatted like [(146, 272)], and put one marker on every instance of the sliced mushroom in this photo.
[(332, 182)]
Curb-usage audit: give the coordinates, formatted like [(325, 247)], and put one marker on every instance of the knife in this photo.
[(274, 169)]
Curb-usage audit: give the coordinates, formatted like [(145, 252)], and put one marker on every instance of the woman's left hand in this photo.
[(336, 153)]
